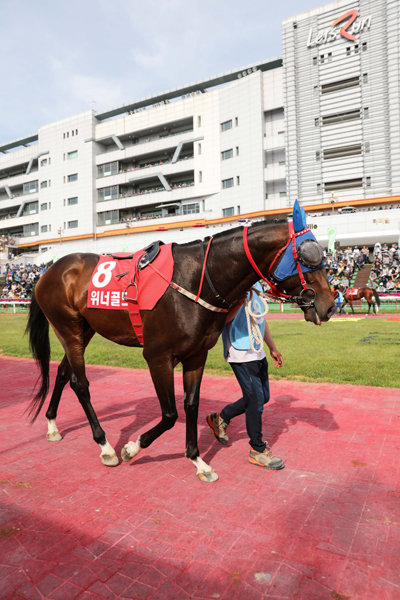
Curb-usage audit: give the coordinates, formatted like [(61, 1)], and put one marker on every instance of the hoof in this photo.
[(110, 460), (54, 437), (126, 457), (208, 477)]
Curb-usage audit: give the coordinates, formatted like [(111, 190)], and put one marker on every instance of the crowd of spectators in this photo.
[(385, 272), (343, 263), (20, 280), (384, 277)]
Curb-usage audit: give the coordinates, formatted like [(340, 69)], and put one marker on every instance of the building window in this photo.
[(348, 115), (348, 51), (344, 184), (72, 224), (364, 46), (236, 121), (200, 176), (107, 169), (43, 184), (237, 150), (43, 229), (72, 154), (108, 193), (226, 125), (31, 229), (366, 113), (314, 60), (335, 86), (72, 201), (368, 181), (199, 149), (282, 194), (366, 146), (329, 56), (342, 152), (199, 121), (43, 206), (73, 177), (43, 162), (227, 154), (228, 212), (191, 209), (227, 183), (318, 188), (30, 188), (237, 179), (316, 90), (365, 77), (316, 122), (317, 155), (322, 59), (356, 48)]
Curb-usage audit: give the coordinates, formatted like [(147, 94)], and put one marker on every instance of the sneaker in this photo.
[(266, 459), (218, 426)]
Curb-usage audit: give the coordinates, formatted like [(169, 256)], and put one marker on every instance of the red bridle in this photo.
[(275, 291)]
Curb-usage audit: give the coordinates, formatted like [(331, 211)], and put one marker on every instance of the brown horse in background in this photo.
[(371, 296), (177, 330)]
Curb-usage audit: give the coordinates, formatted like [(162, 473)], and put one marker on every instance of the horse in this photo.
[(176, 330), (370, 295)]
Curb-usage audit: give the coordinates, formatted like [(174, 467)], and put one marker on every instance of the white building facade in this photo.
[(320, 124)]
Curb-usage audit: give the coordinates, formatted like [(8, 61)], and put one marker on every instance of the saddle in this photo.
[(149, 254)]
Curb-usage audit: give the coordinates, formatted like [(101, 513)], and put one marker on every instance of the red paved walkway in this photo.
[(327, 526)]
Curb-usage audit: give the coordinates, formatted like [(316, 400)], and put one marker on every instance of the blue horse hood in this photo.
[(287, 265)]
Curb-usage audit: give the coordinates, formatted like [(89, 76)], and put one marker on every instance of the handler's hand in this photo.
[(277, 358)]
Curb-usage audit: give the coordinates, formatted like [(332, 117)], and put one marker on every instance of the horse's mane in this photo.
[(268, 221)]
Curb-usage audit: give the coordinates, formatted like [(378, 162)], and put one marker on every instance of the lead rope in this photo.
[(253, 319)]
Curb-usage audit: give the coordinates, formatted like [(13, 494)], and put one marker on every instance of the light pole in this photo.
[(60, 231), (333, 200)]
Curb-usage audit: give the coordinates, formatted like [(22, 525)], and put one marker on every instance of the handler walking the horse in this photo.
[(243, 338)]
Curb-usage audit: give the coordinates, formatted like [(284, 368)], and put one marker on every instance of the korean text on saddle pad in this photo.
[(111, 284)]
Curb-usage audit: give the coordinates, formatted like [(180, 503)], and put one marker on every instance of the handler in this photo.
[(244, 350)]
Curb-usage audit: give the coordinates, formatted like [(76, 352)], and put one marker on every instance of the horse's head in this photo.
[(295, 270)]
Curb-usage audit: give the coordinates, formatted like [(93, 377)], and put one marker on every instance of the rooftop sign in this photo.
[(351, 25)]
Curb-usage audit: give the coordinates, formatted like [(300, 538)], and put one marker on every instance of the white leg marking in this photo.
[(203, 471), (108, 456), (53, 435), (130, 450)]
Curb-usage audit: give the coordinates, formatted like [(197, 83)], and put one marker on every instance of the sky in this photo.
[(60, 58)]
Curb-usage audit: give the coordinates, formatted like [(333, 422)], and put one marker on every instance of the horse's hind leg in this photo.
[(63, 376), (162, 374), (74, 338), (192, 375)]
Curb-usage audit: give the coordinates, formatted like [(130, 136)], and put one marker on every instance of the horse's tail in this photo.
[(377, 299), (38, 330)]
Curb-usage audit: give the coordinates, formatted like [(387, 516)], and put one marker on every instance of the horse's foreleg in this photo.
[(63, 376), (162, 374), (192, 375)]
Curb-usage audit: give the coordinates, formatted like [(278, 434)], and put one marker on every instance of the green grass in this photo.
[(362, 352)]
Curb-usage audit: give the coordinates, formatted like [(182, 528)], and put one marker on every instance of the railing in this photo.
[(16, 304)]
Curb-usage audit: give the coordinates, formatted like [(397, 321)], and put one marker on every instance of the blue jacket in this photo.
[(238, 330)]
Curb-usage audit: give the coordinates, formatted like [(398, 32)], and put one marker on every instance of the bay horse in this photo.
[(177, 330), (370, 295)]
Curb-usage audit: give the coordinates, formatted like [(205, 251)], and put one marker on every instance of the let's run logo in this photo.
[(348, 26)]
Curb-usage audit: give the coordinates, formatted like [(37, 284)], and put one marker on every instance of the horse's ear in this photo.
[(299, 217)]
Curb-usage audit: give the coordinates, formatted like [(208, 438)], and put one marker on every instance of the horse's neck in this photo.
[(230, 267)]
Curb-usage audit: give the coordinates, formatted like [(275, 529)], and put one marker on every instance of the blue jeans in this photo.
[(253, 379)]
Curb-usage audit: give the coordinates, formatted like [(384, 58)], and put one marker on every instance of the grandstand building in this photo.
[(321, 124)]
